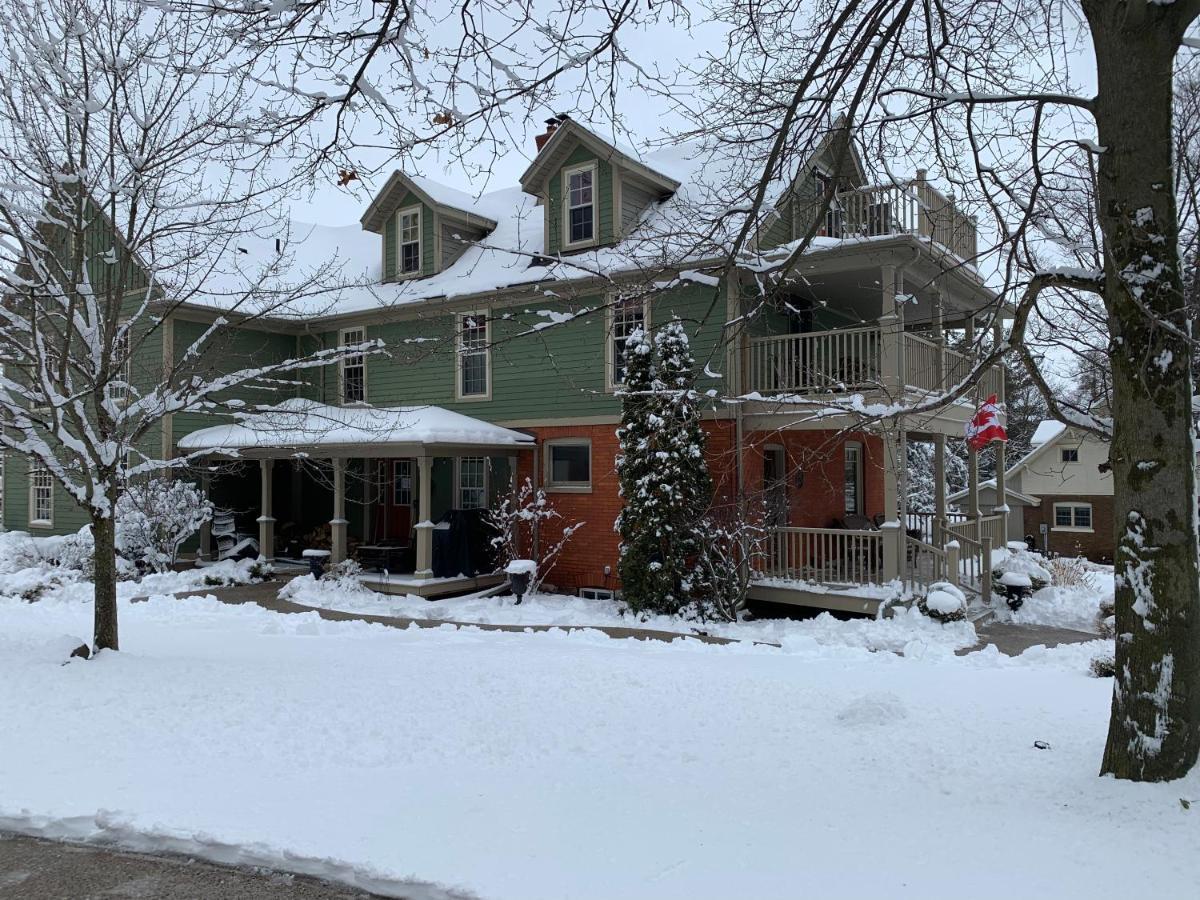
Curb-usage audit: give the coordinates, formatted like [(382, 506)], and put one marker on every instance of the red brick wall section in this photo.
[(1097, 545), (815, 503)]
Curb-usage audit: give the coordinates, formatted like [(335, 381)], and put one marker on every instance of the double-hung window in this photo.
[(1070, 454), (474, 356), (1073, 516), (627, 316), (853, 478), (472, 482), (41, 495), (581, 207), (409, 235), (402, 482), (118, 387), (354, 368)]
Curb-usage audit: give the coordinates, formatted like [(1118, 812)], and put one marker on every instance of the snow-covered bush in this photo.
[(1106, 618), (1103, 666), (517, 520), (229, 572), (1020, 562), (155, 517), (724, 567), (944, 602)]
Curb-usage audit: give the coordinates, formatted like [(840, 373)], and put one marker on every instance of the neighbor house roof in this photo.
[(1009, 493), (298, 426)]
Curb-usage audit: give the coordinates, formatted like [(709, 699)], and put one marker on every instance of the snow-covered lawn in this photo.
[(908, 631), (570, 765)]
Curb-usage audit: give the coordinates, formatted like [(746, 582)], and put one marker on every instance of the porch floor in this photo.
[(851, 598), (428, 587)]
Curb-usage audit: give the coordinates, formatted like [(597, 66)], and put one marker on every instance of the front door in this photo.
[(400, 497)]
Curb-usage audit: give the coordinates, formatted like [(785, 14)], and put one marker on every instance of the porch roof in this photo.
[(298, 426)]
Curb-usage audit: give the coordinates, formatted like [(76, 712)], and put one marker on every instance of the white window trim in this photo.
[(458, 485), (127, 369), (412, 480), (400, 214), (342, 368), (1076, 529), (458, 356), (610, 317), (566, 206), (566, 487), (39, 523)]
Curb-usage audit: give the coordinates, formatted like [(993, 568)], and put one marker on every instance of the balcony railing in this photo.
[(851, 359), (907, 207)]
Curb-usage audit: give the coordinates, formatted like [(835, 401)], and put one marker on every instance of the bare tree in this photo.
[(132, 185)]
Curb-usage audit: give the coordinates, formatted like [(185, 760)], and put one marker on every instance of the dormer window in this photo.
[(409, 231), (580, 213)]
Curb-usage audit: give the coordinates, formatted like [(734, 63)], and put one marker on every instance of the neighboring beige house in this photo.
[(1060, 493)]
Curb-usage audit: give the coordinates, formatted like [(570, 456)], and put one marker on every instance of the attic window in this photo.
[(581, 208), (410, 241)]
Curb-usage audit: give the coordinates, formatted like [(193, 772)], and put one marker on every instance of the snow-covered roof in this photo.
[(693, 223), (1009, 492), (303, 425), (1047, 430)]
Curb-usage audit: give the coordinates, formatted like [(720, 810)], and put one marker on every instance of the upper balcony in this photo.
[(909, 207), (867, 359)]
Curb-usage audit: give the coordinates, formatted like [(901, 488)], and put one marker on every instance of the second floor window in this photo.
[(118, 388), (354, 368), (581, 224), (410, 241), (627, 317), (473, 355)]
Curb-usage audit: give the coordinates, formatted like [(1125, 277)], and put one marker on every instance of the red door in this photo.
[(399, 501)]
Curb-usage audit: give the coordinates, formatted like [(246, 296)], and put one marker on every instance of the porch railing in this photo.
[(906, 207), (925, 564), (849, 359), (824, 556)]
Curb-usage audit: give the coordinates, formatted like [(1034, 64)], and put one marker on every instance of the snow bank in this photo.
[(894, 634), (571, 765)]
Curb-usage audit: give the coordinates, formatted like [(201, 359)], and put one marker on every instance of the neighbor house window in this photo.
[(581, 207), (1070, 454), (410, 241), (626, 317), (1074, 516), (354, 368), (472, 482), (402, 482), (853, 479), (41, 495), (569, 465), (473, 355)]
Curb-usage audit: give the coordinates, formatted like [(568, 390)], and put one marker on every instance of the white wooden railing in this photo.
[(824, 556), (849, 359), (907, 207)]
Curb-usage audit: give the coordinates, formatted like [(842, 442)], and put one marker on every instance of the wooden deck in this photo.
[(835, 598), (429, 587)]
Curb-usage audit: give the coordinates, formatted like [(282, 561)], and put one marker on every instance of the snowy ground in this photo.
[(908, 631), (1064, 607), (569, 765)]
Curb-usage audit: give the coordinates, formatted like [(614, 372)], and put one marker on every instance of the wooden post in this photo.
[(338, 524), (890, 328), (424, 526), (939, 487), (939, 338), (1001, 461), (266, 521), (893, 531), (985, 574), (952, 562), (972, 455)]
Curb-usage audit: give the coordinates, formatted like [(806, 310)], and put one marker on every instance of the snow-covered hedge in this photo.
[(1019, 568)]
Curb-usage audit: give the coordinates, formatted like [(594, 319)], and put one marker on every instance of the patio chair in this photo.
[(231, 544)]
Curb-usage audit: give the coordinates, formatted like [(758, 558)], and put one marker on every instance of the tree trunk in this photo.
[(104, 534), (1154, 731)]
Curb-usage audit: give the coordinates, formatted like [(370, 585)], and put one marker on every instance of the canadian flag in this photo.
[(985, 427)]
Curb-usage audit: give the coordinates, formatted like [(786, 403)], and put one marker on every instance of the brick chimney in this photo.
[(551, 126)]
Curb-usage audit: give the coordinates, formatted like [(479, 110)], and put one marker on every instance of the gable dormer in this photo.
[(592, 192), (423, 226)]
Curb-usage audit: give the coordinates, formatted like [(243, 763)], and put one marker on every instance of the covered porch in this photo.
[(403, 490)]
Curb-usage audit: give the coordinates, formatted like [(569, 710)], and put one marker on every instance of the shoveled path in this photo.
[(34, 869), (1011, 640)]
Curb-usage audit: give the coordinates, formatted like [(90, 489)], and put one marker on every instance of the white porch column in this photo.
[(890, 327), (1001, 455), (337, 525), (424, 526), (939, 487), (266, 520), (972, 455), (893, 531), (205, 554), (939, 338)]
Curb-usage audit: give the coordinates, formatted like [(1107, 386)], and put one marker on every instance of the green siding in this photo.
[(603, 198), (537, 372), (68, 515)]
